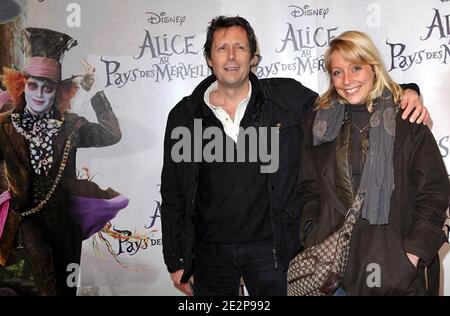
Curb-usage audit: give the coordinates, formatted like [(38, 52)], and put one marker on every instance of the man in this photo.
[(225, 220)]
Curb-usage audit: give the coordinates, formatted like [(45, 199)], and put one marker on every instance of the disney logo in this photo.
[(298, 12), (164, 18)]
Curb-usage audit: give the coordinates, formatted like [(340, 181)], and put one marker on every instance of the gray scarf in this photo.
[(377, 180)]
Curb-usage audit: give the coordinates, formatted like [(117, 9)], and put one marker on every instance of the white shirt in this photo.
[(231, 127)]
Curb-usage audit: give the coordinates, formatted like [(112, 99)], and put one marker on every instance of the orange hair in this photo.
[(64, 93), (14, 82)]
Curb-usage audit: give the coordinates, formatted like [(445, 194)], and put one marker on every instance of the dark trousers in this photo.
[(219, 268), (47, 263)]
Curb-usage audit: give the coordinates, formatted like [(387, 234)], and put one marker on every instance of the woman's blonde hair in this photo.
[(357, 47)]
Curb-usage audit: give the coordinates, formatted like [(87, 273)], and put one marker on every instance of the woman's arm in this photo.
[(431, 196)]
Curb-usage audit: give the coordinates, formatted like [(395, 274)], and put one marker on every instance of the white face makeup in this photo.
[(39, 95)]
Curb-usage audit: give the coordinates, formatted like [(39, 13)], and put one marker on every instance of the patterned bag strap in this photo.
[(41, 205), (352, 216), (354, 212)]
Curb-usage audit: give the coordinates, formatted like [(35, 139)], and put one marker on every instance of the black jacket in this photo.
[(280, 103)]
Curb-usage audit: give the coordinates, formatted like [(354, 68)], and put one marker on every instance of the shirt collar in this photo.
[(214, 86)]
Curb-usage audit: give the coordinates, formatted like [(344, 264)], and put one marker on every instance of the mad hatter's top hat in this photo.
[(44, 50)]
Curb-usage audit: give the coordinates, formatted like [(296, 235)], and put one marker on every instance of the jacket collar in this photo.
[(402, 130), (258, 99), (326, 163)]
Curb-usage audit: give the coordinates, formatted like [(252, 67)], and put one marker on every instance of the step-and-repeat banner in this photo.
[(148, 55)]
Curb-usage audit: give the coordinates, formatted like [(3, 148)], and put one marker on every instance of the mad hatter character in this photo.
[(35, 126)]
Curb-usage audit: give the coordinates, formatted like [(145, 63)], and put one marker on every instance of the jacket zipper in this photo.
[(275, 258), (269, 181)]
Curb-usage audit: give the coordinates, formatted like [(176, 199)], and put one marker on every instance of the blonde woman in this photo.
[(355, 142)]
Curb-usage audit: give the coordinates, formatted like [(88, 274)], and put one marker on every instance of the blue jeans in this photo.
[(339, 292), (219, 268)]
